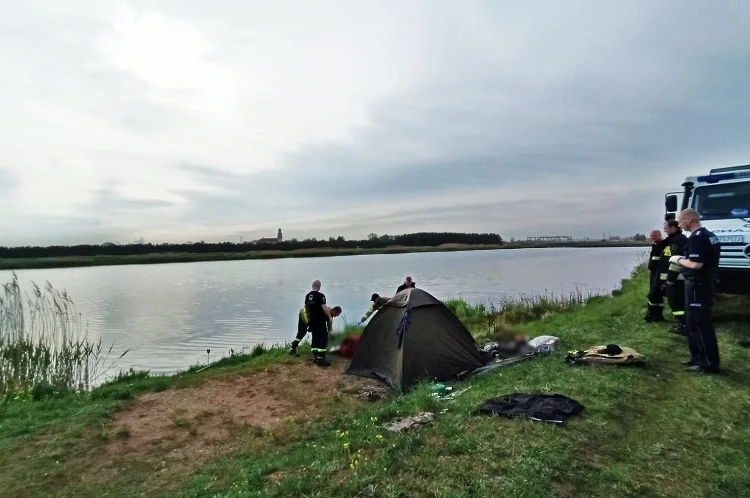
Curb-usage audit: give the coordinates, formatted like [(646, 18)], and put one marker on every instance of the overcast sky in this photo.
[(177, 120)]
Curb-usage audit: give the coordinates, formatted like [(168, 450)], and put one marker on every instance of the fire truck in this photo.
[(722, 198)]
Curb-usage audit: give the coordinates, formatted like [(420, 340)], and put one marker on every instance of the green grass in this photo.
[(161, 258), (646, 431)]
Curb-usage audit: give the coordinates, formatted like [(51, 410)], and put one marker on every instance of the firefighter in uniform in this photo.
[(700, 264), (320, 322), (655, 311), (671, 274), (303, 326)]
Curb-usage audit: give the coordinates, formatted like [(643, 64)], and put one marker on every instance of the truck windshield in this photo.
[(731, 200)]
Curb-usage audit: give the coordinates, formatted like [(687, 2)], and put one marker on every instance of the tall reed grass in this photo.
[(501, 319), (44, 344)]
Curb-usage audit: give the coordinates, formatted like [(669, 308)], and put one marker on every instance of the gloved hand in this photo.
[(675, 259)]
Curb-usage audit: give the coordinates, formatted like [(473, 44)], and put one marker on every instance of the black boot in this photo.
[(680, 328), (293, 349), (321, 360)]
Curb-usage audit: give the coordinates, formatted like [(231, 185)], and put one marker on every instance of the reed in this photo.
[(501, 319), (44, 344)]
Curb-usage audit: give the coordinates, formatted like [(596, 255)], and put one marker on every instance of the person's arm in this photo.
[(367, 314), (327, 311), (696, 252), (675, 269)]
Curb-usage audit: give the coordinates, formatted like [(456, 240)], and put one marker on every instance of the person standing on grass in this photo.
[(655, 309), (700, 265), (408, 283), (671, 274), (320, 323), (303, 323)]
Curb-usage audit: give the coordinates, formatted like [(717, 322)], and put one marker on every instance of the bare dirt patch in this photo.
[(185, 424)]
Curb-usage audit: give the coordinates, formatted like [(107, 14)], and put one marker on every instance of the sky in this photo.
[(186, 120)]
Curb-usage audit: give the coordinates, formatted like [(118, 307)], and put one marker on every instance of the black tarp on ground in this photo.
[(545, 407), (413, 338)]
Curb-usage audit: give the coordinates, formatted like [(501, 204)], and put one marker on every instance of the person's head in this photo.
[(655, 236), (408, 281), (374, 297), (671, 226), (336, 311), (689, 219), (316, 285)]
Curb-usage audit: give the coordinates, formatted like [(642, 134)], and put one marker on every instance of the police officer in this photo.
[(700, 264), (671, 274), (655, 310), (320, 322)]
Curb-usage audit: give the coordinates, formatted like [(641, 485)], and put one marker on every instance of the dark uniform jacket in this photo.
[(703, 247), (655, 256), (674, 245)]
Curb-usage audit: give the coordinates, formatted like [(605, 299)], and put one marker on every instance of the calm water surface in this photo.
[(168, 315)]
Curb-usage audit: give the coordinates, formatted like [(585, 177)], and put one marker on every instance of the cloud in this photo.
[(182, 120)]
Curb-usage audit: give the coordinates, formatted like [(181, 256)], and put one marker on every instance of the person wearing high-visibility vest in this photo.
[(655, 310), (303, 324), (671, 274)]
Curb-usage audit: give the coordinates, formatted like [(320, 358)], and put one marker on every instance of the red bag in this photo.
[(348, 346)]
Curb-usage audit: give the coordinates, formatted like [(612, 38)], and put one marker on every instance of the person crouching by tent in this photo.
[(408, 284), (377, 303), (303, 326)]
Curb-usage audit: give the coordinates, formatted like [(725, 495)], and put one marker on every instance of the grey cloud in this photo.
[(548, 95), (111, 205)]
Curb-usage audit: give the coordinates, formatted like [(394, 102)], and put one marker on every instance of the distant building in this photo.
[(271, 240), (551, 238)]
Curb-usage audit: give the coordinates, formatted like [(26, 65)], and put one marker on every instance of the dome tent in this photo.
[(414, 338)]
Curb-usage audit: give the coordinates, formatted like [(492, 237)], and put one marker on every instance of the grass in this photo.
[(44, 347), (491, 321), (648, 431), (161, 258)]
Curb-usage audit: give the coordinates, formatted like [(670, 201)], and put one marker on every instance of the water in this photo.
[(168, 315)]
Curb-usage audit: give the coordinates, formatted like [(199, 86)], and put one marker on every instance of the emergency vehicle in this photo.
[(722, 198)]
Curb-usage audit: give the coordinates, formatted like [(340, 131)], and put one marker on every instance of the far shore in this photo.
[(163, 258)]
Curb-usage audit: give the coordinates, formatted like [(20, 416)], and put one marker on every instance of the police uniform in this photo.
[(673, 279), (318, 326), (700, 287), (655, 310)]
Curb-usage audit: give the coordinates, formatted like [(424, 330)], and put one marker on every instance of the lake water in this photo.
[(168, 315)]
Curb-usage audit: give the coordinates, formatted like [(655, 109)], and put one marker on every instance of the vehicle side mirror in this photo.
[(671, 203)]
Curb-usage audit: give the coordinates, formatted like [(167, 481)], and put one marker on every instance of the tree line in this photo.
[(373, 241)]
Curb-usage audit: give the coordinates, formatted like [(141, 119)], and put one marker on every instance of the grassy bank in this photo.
[(161, 258), (650, 431)]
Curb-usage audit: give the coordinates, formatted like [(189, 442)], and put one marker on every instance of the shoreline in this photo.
[(267, 423), (167, 258)]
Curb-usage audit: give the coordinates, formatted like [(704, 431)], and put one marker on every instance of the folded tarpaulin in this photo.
[(542, 407), (611, 354)]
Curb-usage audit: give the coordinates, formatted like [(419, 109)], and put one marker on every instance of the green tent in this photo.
[(414, 338)]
